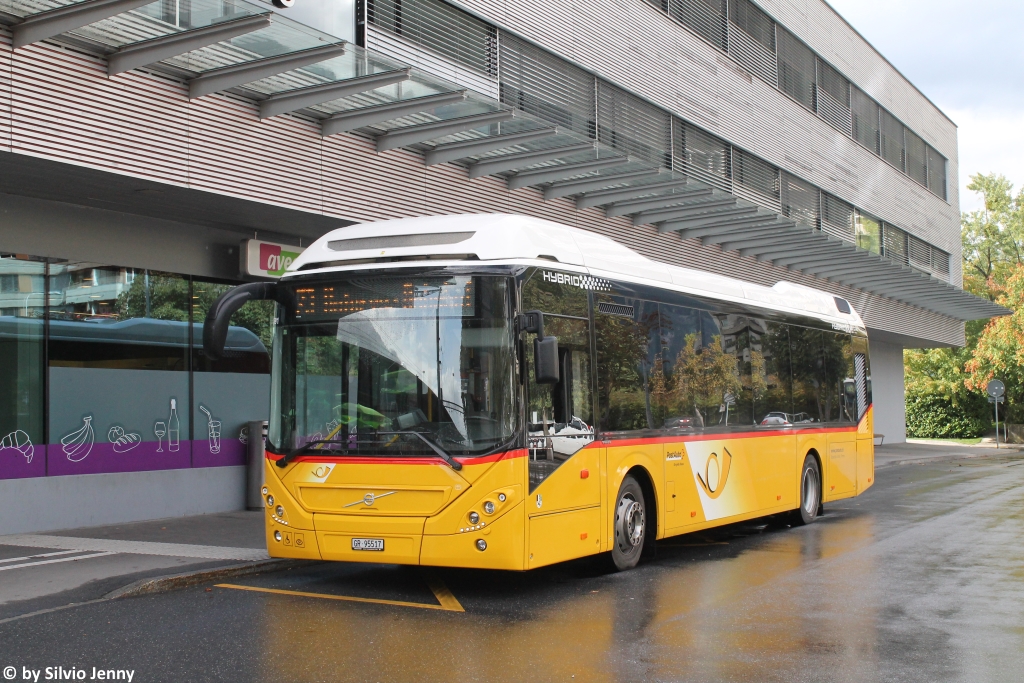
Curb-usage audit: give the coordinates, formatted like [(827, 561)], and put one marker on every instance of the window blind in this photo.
[(541, 84), (891, 138), (627, 123), (706, 18), (836, 217), (917, 167), (936, 172), (865, 119), (801, 201), (834, 97), (796, 68), (755, 180), (701, 156), (440, 27)]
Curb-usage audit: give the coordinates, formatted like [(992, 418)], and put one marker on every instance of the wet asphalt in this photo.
[(919, 579)]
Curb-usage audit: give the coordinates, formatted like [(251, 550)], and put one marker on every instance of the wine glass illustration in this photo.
[(160, 428)]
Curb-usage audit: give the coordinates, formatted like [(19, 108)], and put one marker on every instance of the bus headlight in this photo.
[(279, 510), (489, 507), (501, 497), (277, 535), (474, 518), (481, 544), (270, 501), (265, 490)]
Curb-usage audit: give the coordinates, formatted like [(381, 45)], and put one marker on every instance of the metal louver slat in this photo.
[(800, 201), (891, 137), (920, 253), (894, 244), (440, 27), (753, 56), (706, 18), (865, 119), (836, 217), (755, 180), (916, 158), (701, 156), (752, 40), (796, 68), (543, 85), (834, 98), (630, 125), (936, 173), (758, 25)]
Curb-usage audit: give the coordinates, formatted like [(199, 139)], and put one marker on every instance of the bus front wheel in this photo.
[(630, 525), (810, 492)]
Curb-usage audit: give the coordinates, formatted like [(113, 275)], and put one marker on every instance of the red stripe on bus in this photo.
[(356, 460)]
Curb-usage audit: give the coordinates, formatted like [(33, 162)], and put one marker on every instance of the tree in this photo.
[(999, 352), (993, 237)]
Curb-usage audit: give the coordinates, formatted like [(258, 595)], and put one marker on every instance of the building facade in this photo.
[(146, 146)]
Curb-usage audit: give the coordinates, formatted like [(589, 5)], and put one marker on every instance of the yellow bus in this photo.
[(499, 391)]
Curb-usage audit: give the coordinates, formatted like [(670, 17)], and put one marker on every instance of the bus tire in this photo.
[(629, 525), (810, 492)]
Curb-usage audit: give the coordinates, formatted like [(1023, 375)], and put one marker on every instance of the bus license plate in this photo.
[(367, 544)]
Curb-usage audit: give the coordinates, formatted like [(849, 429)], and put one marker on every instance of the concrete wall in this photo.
[(49, 503), (887, 391)]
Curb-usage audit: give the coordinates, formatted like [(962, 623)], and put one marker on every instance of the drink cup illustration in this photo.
[(214, 427)]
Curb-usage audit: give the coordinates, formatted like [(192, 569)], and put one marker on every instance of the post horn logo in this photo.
[(716, 474)]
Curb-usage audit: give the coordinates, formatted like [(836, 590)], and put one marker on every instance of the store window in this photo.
[(22, 375), (235, 389), (118, 364)]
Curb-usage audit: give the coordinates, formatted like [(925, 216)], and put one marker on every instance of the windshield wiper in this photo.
[(455, 464)]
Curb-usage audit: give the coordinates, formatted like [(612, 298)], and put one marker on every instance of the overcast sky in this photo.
[(967, 56)]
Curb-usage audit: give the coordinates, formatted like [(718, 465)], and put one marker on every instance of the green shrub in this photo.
[(935, 417)]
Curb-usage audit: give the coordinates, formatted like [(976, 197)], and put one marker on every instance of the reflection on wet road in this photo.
[(920, 579)]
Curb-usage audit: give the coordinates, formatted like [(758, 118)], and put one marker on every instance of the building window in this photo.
[(22, 374), (706, 18), (630, 125), (891, 138), (916, 158), (229, 392), (796, 68), (868, 232), (440, 27), (865, 119), (833, 97), (936, 173)]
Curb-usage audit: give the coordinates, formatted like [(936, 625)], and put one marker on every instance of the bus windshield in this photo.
[(384, 366)]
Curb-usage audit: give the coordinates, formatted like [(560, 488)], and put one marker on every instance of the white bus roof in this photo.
[(513, 239)]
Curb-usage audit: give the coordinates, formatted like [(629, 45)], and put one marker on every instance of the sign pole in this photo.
[(997, 422)]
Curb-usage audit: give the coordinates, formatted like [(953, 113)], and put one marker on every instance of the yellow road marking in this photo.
[(444, 596)]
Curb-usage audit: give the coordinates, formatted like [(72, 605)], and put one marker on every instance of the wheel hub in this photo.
[(631, 523)]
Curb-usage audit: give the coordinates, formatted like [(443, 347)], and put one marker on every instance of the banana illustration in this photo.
[(78, 445), (20, 441)]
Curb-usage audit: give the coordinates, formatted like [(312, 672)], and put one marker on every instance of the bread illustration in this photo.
[(123, 442)]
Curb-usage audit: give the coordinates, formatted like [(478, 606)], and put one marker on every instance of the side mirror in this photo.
[(215, 328), (545, 357), (545, 349)]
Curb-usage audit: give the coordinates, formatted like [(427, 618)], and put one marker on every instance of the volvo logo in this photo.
[(369, 499)]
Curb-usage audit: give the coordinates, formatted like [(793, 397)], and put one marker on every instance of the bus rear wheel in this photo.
[(629, 525), (810, 492)]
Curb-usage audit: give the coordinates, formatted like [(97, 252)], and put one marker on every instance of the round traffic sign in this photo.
[(995, 388)]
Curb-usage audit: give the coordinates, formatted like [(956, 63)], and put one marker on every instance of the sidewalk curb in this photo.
[(160, 584), (938, 458)]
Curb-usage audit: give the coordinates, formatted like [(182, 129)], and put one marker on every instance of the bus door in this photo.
[(563, 504), (840, 400)]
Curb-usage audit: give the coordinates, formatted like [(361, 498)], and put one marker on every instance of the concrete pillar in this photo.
[(887, 391)]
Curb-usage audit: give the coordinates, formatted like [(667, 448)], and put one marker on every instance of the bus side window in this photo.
[(840, 384), (559, 416), (628, 351), (771, 376), (808, 363), (672, 389)]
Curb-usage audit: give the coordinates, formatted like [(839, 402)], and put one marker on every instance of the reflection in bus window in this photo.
[(559, 416), (808, 365), (628, 335), (770, 360), (841, 388)]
